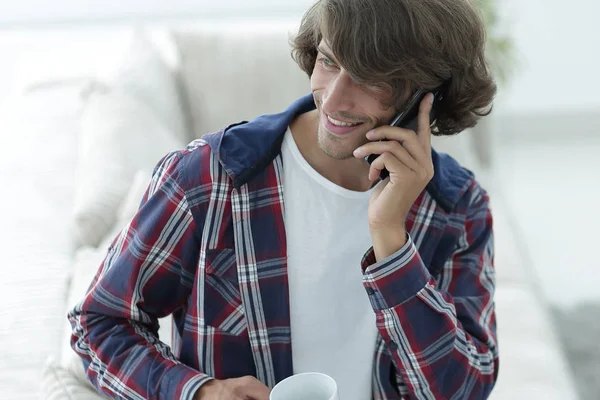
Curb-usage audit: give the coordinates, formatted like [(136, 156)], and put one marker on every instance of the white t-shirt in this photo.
[(332, 321)]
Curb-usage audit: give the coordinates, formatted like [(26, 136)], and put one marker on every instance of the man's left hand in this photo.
[(407, 157)]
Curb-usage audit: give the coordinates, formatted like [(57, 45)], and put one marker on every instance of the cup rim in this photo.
[(329, 378)]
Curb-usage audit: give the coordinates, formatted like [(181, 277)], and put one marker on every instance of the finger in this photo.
[(391, 133), (394, 166), (424, 122), (393, 147), (407, 138)]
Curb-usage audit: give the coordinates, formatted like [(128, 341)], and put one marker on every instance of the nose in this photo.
[(338, 96)]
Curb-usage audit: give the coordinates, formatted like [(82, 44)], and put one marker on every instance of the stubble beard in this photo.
[(335, 147)]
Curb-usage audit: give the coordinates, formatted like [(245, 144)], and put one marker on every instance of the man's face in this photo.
[(347, 110)]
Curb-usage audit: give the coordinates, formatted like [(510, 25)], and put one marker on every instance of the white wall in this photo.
[(27, 11), (559, 51)]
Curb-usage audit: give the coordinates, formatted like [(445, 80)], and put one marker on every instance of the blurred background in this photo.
[(76, 76)]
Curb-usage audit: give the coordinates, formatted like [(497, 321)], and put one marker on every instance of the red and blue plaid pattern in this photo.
[(208, 246)]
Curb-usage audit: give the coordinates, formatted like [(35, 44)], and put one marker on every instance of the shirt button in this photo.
[(393, 346), (370, 291)]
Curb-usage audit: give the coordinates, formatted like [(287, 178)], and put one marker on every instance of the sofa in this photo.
[(76, 153)]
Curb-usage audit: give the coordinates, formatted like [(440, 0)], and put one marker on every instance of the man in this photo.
[(278, 250)]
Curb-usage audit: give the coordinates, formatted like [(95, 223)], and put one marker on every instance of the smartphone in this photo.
[(408, 118)]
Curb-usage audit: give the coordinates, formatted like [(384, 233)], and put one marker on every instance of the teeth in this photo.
[(340, 123)]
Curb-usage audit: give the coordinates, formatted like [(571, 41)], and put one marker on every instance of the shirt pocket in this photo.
[(223, 308)]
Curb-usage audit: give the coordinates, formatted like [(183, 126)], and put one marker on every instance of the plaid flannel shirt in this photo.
[(208, 245)]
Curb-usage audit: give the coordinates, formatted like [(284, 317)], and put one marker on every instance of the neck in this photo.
[(351, 173)]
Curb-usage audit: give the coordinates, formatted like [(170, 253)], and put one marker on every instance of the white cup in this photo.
[(306, 386)]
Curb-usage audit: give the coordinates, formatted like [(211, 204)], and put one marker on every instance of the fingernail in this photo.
[(357, 152), (431, 98), (370, 133)]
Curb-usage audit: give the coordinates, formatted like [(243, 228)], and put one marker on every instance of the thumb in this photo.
[(255, 389)]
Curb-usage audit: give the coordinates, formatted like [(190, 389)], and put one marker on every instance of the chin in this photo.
[(339, 148)]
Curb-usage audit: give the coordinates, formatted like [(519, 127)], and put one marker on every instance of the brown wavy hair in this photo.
[(402, 45)]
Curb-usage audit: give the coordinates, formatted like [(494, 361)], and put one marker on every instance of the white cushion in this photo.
[(145, 74), (236, 71), (120, 135), (128, 124), (58, 383), (38, 142)]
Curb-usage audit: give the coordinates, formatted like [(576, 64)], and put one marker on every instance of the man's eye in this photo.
[(327, 63)]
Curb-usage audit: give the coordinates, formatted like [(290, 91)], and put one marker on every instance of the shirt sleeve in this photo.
[(147, 274), (441, 335)]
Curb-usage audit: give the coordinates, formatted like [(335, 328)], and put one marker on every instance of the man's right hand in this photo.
[(246, 388)]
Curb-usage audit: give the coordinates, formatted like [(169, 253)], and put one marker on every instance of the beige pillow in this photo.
[(127, 124), (148, 71), (234, 71), (120, 135)]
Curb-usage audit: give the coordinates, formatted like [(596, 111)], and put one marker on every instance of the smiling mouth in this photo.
[(337, 122)]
